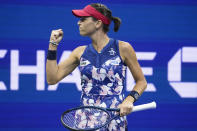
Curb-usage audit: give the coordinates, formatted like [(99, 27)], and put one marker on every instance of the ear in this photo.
[(99, 24)]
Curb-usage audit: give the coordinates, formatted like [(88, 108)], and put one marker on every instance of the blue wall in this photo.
[(165, 28)]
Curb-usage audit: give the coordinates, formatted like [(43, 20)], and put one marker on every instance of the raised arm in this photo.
[(56, 72)]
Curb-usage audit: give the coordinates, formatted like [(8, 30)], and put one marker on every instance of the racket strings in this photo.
[(85, 118)]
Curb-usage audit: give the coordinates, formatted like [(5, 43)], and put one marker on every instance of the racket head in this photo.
[(85, 118)]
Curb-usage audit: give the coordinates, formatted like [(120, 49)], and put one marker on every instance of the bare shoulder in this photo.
[(126, 50), (78, 51), (125, 46), (79, 48)]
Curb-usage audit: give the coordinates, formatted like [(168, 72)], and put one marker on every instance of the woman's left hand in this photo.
[(126, 106)]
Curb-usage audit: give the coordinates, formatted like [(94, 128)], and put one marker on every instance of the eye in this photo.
[(82, 19)]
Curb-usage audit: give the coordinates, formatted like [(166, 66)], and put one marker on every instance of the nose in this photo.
[(79, 23)]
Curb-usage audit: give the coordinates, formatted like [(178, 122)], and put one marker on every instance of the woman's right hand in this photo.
[(56, 36)]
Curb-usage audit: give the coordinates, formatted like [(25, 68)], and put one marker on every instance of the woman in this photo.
[(102, 64)]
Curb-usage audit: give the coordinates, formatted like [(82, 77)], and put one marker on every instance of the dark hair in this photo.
[(107, 12)]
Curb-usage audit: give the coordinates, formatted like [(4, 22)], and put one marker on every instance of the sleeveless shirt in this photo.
[(103, 78)]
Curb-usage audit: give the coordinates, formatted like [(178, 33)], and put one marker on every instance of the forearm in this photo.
[(51, 71), (51, 67), (140, 86), (127, 105)]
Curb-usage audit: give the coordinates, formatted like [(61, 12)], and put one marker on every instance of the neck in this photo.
[(99, 40)]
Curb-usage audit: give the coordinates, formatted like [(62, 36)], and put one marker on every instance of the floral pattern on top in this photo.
[(104, 85)]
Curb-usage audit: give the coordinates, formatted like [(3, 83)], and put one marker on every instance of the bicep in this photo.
[(68, 65)]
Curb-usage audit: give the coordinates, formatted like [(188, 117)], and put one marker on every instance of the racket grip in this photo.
[(150, 105)]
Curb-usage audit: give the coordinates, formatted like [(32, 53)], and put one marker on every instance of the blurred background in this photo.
[(162, 32)]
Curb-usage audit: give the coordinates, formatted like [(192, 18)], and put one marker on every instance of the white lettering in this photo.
[(2, 84), (184, 89), (38, 69), (3, 53)]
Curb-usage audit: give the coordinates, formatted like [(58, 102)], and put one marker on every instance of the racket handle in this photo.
[(150, 105)]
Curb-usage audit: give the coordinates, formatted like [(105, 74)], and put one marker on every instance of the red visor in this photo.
[(91, 11)]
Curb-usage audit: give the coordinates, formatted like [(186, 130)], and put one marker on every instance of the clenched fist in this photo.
[(56, 36)]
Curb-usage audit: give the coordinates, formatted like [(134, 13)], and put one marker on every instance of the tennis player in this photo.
[(102, 64)]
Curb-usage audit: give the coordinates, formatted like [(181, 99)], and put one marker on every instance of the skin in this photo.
[(94, 30)]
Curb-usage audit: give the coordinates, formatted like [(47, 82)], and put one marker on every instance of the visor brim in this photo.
[(80, 13)]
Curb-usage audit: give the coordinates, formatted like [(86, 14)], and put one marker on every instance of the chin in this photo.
[(82, 34)]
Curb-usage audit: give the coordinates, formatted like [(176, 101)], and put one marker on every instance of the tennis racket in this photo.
[(86, 118)]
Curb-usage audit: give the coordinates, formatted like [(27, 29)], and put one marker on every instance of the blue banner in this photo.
[(163, 34)]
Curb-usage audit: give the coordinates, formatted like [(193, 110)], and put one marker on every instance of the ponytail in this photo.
[(107, 12), (117, 22)]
